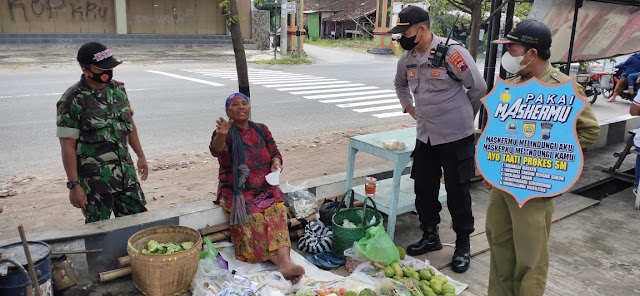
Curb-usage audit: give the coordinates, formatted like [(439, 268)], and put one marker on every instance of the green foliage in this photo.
[(293, 59), (266, 4), (231, 19), (442, 19)]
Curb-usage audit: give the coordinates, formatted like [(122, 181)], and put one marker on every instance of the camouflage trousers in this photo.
[(127, 202)]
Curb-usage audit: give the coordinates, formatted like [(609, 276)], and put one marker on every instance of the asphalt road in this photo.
[(176, 105)]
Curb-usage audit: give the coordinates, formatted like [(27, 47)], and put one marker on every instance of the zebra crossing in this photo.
[(358, 97)]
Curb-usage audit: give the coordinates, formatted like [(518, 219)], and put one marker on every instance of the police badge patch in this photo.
[(457, 60)]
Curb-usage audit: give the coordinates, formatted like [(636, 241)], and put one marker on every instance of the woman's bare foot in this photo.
[(292, 272), (612, 100)]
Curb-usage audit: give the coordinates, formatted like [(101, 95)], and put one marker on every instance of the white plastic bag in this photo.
[(302, 202), (354, 257), (225, 284)]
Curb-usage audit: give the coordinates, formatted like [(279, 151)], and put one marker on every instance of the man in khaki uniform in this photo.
[(519, 237)]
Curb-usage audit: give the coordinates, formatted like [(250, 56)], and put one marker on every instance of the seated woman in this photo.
[(247, 152)]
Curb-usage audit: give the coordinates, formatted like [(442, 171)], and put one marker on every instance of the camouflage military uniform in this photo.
[(101, 121)]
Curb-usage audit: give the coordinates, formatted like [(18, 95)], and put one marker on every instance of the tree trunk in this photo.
[(476, 19), (238, 49)]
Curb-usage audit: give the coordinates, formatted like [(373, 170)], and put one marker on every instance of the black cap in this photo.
[(94, 53), (529, 33), (409, 16)]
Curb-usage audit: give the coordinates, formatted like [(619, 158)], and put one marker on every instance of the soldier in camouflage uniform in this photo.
[(95, 126)]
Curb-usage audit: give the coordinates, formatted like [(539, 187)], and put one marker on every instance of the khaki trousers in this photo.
[(519, 241)]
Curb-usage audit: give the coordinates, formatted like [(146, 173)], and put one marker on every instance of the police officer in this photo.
[(95, 126), (445, 100), (519, 237)]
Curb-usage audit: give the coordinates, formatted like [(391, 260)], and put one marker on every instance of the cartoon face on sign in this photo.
[(517, 151)]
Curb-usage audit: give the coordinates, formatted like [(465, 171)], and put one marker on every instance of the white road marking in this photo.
[(372, 109), (349, 94), (308, 83), (320, 87), (358, 98), (390, 114), (324, 91), (350, 105), (186, 78), (291, 81), (54, 94)]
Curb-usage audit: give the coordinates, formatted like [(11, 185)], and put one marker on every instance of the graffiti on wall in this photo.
[(80, 10)]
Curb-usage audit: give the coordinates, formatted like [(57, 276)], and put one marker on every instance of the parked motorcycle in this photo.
[(591, 86)]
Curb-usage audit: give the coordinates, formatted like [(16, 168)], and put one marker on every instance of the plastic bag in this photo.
[(302, 202), (354, 257), (224, 284), (209, 266), (377, 246)]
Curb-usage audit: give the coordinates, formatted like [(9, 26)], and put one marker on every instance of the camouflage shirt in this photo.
[(100, 119)]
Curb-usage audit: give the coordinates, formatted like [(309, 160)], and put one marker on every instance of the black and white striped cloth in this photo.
[(316, 239)]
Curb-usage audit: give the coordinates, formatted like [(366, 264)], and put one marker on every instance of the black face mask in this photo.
[(102, 77), (408, 43)]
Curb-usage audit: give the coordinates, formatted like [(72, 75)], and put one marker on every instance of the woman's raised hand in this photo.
[(223, 125)]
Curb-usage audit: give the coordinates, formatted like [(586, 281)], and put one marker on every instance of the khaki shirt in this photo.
[(587, 126), (445, 107)]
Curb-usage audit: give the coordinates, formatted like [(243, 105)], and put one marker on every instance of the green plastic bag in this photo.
[(377, 246)]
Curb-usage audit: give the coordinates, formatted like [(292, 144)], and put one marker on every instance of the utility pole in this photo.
[(299, 32)]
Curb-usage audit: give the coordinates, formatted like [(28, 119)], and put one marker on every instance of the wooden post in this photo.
[(27, 253)]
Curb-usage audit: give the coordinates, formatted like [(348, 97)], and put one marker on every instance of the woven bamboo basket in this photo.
[(164, 274)]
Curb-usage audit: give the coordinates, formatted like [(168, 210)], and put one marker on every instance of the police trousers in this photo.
[(519, 242), (457, 161)]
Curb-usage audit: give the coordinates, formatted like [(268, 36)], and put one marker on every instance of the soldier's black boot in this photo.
[(461, 256), (430, 242)]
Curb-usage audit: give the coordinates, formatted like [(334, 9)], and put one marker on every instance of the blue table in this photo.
[(388, 191)]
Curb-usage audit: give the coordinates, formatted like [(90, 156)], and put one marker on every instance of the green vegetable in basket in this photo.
[(152, 246), (350, 293), (449, 294), (187, 245)]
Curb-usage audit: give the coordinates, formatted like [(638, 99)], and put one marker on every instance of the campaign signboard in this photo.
[(529, 147)]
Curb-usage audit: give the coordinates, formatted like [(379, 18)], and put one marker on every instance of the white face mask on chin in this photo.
[(512, 64)]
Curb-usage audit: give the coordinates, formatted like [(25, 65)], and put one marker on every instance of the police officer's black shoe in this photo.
[(461, 259), (430, 242)]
